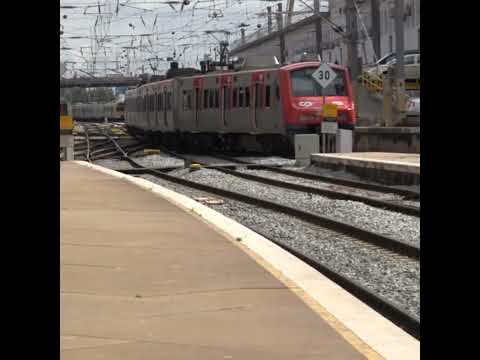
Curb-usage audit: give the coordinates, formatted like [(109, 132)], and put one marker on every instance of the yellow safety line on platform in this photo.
[(341, 329), (357, 343)]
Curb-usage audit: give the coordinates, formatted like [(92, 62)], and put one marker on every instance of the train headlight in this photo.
[(307, 117)]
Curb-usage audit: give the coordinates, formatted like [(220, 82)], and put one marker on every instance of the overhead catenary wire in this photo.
[(113, 17)]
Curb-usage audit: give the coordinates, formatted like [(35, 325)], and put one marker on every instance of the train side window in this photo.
[(267, 96), (216, 98), (240, 97), (234, 103), (210, 100), (205, 99), (277, 91), (247, 96)]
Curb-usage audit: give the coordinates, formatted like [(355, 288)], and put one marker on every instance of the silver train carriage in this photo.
[(98, 112)]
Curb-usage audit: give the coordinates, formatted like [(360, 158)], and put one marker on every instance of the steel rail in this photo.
[(396, 314), (339, 195), (398, 246), (412, 194)]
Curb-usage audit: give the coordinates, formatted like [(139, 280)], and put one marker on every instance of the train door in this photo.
[(198, 88), (265, 115), (257, 98), (240, 114), (225, 99), (171, 109), (209, 117), (155, 109), (165, 108), (147, 110)]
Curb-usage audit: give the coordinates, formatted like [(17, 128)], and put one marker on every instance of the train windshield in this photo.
[(303, 84)]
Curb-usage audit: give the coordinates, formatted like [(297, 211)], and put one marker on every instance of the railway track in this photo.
[(332, 194), (396, 314), (406, 193), (103, 147)]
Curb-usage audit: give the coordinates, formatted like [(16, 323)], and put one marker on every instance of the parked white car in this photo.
[(412, 66)]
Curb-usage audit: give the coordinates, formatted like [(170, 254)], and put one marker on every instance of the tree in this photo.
[(82, 95)]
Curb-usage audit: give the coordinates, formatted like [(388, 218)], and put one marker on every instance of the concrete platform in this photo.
[(144, 279), (387, 168)]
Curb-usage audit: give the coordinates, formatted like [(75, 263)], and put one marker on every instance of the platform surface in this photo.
[(388, 161), (144, 279)]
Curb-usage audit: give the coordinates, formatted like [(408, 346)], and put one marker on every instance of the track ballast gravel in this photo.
[(389, 223), (393, 277)]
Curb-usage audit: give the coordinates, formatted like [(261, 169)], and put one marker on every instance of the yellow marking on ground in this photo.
[(313, 304), (151, 151)]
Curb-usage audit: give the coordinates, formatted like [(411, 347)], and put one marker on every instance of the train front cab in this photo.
[(303, 98)]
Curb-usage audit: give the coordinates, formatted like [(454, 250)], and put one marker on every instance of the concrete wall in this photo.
[(397, 140)]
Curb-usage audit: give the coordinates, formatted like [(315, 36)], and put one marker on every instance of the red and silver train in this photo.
[(259, 109)]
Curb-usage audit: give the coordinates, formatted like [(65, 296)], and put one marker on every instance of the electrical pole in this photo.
[(375, 10), (352, 44), (269, 19), (242, 32), (290, 5), (400, 66), (318, 28), (281, 32), (352, 48)]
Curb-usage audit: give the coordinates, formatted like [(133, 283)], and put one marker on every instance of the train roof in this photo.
[(301, 65), (288, 67)]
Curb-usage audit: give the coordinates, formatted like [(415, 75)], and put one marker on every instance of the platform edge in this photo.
[(366, 330)]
